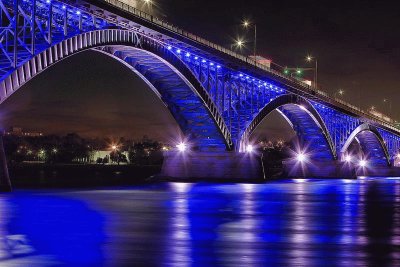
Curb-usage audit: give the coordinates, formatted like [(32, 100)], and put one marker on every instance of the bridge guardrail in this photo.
[(308, 89)]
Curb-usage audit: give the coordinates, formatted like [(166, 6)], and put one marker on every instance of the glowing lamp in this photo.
[(181, 147), (249, 148), (347, 158), (363, 163), (301, 157)]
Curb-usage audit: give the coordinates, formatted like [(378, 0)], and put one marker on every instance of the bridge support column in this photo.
[(5, 183), (319, 169), (211, 165), (379, 171)]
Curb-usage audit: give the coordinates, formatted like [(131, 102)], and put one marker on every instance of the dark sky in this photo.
[(357, 44)]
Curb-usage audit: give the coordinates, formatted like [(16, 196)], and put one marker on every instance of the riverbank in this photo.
[(43, 175)]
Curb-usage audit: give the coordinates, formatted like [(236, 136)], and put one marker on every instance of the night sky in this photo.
[(357, 44)]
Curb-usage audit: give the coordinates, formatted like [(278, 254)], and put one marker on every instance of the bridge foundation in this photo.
[(211, 165), (379, 171), (5, 183), (318, 169)]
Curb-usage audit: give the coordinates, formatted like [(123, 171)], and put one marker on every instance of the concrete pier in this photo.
[(322, 169), (5, 183), (211, 165)]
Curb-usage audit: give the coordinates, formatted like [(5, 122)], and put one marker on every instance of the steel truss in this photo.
[(215, 105)]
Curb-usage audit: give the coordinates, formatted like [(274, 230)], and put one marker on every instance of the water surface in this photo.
[(285, 223)]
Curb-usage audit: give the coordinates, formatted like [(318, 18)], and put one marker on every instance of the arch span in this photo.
[(185, 97), (371, 142), (305, 121)]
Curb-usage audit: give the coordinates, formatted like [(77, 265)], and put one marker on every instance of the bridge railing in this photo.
[(305, 87)]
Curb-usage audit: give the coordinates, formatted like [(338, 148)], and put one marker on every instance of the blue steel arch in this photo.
[(188, 101), (304, 119), (371, 142)]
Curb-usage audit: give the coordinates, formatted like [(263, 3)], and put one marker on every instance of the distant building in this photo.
[(19, 131)]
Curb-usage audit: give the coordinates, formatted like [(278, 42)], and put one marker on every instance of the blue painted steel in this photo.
[(217, 104)]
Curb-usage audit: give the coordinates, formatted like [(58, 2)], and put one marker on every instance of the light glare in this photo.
[(181, 147), (249, 148), (301, 157)]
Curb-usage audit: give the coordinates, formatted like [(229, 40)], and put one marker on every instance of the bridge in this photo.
[(217, 97)]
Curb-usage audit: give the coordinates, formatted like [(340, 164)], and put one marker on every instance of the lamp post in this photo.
[(386, 100), (310, 59), (247, 24)]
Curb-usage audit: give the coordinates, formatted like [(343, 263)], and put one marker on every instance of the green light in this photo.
[(298, 72), (286, 71)]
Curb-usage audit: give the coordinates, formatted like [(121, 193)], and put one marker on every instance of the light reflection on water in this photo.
[(294, 223)]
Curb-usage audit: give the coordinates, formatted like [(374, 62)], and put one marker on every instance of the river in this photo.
[(304, 222)]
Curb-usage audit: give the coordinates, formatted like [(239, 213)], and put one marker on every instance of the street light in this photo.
[(247, 24), (238, 43), (340, 92), (310, 59)]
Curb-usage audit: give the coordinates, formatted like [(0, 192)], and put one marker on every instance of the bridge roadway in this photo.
[(217, 96)]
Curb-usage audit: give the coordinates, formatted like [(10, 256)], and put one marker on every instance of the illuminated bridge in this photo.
[(217, 97)]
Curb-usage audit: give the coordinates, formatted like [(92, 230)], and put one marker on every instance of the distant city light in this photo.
[(64, 7), (188, 54), (114, 147), (169, 47), (181, 147), (55, 150), (165, 148), (78, 12), (178, 51), (309, 58), (347, 158)]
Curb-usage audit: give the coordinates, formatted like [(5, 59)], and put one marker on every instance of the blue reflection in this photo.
[(64, 228), (283, 223)]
